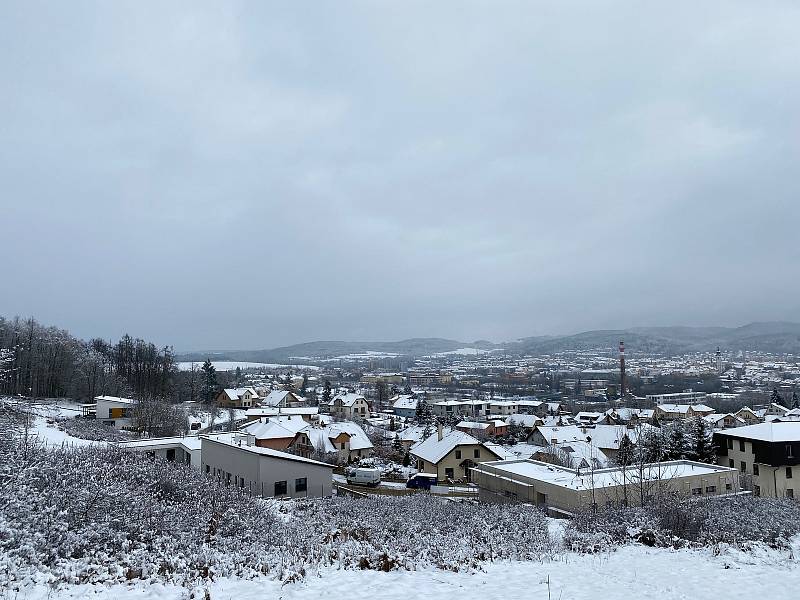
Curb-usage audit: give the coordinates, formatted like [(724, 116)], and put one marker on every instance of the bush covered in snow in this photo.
[(91, 429), (99, 514), (737, 520)]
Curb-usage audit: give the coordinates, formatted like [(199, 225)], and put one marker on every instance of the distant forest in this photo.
[(47, 362)]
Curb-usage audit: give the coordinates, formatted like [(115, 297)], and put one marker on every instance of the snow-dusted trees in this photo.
[(156, 418)]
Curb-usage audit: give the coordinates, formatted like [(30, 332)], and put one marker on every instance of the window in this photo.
[(789, 493), (208, 469), (731, 463), (458, 454), (741, 445), (730, 443), (301, 484), (241, 482), (697, 491), (477, 453), (743, 467), (755, 469), (711, 489), (728, 487), (789, 451), (756, 490), (280, 488), (788, 472), (448, 473)]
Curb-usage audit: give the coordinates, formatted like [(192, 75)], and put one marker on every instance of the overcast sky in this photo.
[(230, 175)]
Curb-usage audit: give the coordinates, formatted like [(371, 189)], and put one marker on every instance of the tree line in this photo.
[(47, 362)]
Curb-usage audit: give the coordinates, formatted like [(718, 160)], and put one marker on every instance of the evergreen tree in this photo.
[(381, 394), (704, 450), (626, 452), (407, 389), (776, 398), (209, 381), (406, 459), (238, 376), (326, 393), (678, 443), (304, 386), (795, 400)]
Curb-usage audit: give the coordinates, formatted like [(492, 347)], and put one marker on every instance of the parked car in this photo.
[(371, 477), (421, 481)]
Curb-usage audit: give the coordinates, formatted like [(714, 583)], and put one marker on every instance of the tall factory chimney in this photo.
[(621, 369)]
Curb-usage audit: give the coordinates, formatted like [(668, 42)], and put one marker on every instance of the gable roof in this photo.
[(276, 397), (433, 449), (347, 399)]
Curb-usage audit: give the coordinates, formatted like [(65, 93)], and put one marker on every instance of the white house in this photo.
[(114, 411)]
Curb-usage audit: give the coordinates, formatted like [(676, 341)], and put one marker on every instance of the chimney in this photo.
[(622, 369), (439, 433)]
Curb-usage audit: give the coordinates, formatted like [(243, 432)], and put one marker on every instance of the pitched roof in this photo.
[(433, 449), (347, 399)]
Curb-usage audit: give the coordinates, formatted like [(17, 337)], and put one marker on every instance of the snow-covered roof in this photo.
[(116, 399), (472, 425), (347, 399), (276, 428), (188, 443), (562, 433), (773, 431), (529, 421), (234, 439), (275, 398), (321, 436), (405, 402), (433, 449), (583, 480), (684, 408)]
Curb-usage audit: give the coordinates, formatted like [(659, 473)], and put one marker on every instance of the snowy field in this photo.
[(230, 365), (630, 573)]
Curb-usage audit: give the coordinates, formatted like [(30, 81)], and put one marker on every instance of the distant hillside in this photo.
[(777, 337), (331, 349)]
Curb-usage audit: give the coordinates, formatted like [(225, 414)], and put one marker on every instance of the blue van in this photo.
[(421, 481)]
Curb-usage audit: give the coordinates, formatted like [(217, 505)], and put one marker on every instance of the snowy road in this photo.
[(631, 573)]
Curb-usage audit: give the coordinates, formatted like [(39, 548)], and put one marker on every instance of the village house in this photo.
[(748, 415), (726, 421), (766, 454), (405, 405), (344, 441), (115, 411), (675, 412), (451, 456), (484, 429), (307, 413), (237, 398), (277, 433), (282, 399), (349, 406)]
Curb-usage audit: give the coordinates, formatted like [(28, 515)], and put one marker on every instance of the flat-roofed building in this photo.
[(564, 491)]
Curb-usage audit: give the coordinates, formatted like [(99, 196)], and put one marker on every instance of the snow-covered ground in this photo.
[(52, 436), (230, 365), (630, 573)]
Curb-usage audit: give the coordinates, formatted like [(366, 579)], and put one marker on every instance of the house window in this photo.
[(743, 467), (755, 469), (741, 445), (448, 473), (711, 489), (789, 451), (789, 493), (788, 472), (728, 487), (301, 484), (731, 463), (756, 490), (208, 469), (730, 443), (697, 491), (280, 488), (477, 453), (458, 454)]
